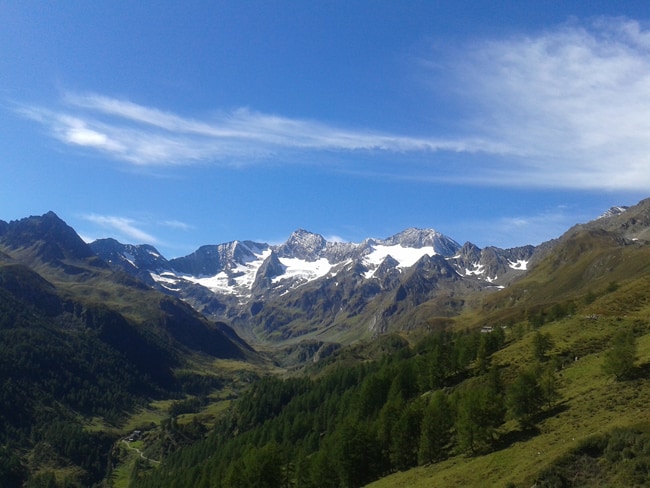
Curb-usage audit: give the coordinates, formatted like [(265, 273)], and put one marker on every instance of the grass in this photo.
[(592, 403), (121, 476)]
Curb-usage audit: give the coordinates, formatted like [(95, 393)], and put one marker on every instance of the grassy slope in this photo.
[(591, 403)]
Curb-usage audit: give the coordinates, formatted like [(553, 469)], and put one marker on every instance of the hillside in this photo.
[(362, 418)]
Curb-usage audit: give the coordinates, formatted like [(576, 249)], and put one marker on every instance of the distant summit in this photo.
[(303, 244), (46, 238), (612, 212)]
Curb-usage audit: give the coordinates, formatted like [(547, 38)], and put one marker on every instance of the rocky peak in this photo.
[(632, 223), (469, 253), (270, 268), (419, 238), (303, 244), (612, 212), (205, 261), (49, 236), (212, 259), (388, 267), (128, 256)]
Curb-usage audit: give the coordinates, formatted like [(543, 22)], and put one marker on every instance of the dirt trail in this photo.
[(139, 451)]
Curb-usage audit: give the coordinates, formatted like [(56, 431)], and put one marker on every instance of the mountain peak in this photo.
[(130, 257), (613, 211), (48, 236), (303, 244), (419, 238)]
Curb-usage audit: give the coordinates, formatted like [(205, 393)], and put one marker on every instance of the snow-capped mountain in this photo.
[(244, 269), (308, 279), (309, 288)]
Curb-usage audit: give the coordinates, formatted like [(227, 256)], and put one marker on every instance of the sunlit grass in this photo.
[(592, 403)]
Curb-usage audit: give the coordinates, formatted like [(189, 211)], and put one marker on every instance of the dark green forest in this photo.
[(350, 424), (59, 369)]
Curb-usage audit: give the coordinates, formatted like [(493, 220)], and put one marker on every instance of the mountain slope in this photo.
[(80, 341), (54, 250), (590, 260)]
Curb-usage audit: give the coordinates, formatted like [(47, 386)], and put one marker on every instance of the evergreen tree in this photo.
[(356, 455), (235, 476), (405, 437), (405, 383), (323, 469), (302, 471), (525, 398), (549, 384), (263, 467), (372, 396), (620, 357), (480, 412), (542, 343), (12, 471), (435, 430), (388, 417), (483, 355)]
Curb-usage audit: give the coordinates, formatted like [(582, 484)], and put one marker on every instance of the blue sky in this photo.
[(180, 124)]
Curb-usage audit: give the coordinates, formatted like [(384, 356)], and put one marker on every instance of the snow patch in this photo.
[(164, 278), (477, 270), (238, 280), (299, 268), (520, 264), (130, 258), (405, 256)]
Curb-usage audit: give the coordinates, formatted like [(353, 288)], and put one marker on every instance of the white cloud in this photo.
[(572, 104), (565, 108), (148, 136), (176, 224), (335, 238), (123, 226)]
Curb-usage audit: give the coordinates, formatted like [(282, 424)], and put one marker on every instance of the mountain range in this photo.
[(308, 287)]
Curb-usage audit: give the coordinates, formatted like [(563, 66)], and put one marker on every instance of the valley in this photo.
[(405, 361)]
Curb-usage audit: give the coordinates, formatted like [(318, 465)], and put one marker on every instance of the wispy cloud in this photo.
[(335, 238), (123, 227), (176, 224), (147, 136), (571, 103), (566, 108)]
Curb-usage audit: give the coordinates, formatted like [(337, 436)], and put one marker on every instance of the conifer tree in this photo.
[(435, 430), (525, 398), (542, 343), (405, 437), (480, 412), (620, 357)]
